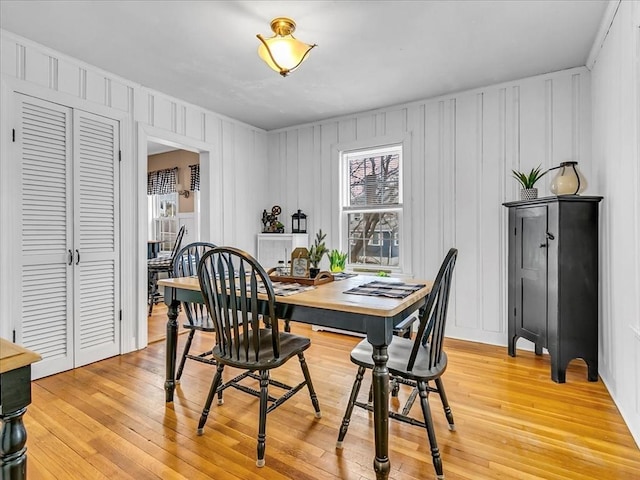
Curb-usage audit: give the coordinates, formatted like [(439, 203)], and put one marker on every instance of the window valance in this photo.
[(195, 177), (162, 181)]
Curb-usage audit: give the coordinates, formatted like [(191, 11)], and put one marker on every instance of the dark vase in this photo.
[(313, 272)]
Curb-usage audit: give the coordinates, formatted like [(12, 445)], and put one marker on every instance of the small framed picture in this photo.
[(300, 262)]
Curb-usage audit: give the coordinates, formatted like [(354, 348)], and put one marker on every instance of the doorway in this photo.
[(159, 150), (173, 202)]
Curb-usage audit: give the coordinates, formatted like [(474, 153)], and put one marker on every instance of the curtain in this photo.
[(162, 181), (195, 177)]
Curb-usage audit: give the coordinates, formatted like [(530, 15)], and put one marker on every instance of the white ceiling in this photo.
[(370, 54)]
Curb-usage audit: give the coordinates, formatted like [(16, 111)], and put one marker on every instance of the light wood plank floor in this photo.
[(109, 420), (157, 323)]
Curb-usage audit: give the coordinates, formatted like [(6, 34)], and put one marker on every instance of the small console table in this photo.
[(15, 395)]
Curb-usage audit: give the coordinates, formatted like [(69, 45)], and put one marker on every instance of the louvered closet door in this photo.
[(96, 238), (43, 296)]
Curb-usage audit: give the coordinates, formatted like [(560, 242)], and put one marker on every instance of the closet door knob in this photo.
[(77, 257), (70, 257)]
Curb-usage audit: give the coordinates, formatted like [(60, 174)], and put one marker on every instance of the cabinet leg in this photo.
[(558, 371), (538, 349), (592, 370), (512, 345)]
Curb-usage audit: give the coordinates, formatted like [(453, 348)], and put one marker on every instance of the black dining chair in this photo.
[(185, 264), (158, 265), (414, 362), (231, 280)]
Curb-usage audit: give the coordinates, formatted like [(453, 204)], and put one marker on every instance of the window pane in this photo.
[(374, 180), (165, 221), (374, 238)]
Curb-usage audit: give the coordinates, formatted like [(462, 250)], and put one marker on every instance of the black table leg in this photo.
[(380, 382), (15, 395), (172, 344), (13, 452)]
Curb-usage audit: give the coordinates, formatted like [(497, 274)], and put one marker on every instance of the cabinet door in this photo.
[(96, 238), (66, 296), (531, 273), (42, 295)]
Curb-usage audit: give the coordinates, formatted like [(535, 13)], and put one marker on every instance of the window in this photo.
[(371, 207), (163, 210), (163, 207)]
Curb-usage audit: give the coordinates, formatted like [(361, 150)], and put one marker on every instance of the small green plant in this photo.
[(337, 260), (382, 273), (530, 179), (318, 249)]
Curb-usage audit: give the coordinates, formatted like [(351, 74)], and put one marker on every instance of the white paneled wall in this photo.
[(233, 155), (616, 175), (458, 173)]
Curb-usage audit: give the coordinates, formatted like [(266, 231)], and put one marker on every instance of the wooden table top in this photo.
[(331, 296), (13, 356)]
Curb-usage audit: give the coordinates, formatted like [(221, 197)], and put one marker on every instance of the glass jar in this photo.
[(569, 180)]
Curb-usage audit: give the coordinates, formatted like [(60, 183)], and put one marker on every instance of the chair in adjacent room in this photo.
[(185, 264), (158, 265), (230, 280), (414, 362)]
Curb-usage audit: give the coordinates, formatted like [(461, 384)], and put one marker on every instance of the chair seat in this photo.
[(160, 264), (290, 345), (399, 351), (201, 323)]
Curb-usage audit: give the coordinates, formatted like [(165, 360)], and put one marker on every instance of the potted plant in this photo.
[(316, 252), (337, 260), (527, 181)]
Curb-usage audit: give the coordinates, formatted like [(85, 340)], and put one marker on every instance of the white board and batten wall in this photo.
[(459, 152), (615, 77), (229, 148)]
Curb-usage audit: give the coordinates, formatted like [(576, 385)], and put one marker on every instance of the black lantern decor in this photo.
[(298, 222)]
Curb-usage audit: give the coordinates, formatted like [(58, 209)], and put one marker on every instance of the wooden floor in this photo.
[(109, 420), (157, 323)]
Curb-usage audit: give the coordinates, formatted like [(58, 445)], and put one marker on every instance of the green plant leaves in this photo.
[(318, 249), (530, 179)]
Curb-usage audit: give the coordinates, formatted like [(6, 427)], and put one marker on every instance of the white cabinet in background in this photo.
[(273, 247)]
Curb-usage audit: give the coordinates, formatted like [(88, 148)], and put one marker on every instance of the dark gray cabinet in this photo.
[(553, 279)]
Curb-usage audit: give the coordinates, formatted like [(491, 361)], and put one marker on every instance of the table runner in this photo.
[(343, 276), (285, 289), (379, 288)]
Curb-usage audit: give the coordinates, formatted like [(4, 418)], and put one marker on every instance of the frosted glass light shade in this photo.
[(283, 52), (569, 180)]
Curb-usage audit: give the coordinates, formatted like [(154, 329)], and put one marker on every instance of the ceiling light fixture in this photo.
[(283, 52)]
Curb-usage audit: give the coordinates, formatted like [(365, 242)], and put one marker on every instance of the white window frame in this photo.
[(154, 217), (362, 150)]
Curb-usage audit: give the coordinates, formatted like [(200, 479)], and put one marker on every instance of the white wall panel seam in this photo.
[(479, 204), (549, 161), (82, 83), (53, 73), (576, 118), (21, 71)]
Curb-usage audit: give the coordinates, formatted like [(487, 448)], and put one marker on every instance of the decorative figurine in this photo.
[(270, 223)]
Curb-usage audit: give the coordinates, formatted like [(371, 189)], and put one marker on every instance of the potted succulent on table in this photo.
[(337, 260), (527, 181), (316, 252)]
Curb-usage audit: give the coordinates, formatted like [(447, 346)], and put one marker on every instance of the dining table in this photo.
[(326, 305)]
